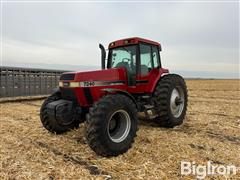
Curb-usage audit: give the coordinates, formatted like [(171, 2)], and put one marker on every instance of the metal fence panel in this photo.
[(27, 82)]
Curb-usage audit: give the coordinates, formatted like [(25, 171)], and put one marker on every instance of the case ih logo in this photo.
[(65, 84)]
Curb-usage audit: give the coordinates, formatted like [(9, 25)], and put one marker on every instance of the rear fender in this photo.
[(163, 72)]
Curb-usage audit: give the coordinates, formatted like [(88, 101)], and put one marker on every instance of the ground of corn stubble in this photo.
[(211, 132)]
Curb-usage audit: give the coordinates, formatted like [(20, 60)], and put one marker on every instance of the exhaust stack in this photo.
[(103, 55)]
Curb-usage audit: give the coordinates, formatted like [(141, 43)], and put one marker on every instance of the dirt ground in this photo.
[(211, 132)]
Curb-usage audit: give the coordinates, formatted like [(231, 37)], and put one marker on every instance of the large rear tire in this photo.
[(53, 125), (111, 125), (171, 100)]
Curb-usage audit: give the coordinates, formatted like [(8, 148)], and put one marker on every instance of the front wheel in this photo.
[(65, 122), (111, 125), (171, 100)]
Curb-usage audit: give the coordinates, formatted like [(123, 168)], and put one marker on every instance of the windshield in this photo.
[(123, 57)]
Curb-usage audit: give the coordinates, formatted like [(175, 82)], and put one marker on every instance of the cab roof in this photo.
[(131, 41)]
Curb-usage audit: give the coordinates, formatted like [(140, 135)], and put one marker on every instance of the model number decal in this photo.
[(88, 83), (100, 83)]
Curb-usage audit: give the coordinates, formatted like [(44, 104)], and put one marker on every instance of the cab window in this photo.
[(124, 57), (145, 59), (155, 56)]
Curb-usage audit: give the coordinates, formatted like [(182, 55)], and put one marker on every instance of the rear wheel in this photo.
[(171, 100), (111, 125), (54, 125)]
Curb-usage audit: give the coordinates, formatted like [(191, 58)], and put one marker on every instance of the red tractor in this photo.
[(110, 99)]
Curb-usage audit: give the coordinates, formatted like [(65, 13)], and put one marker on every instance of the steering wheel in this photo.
[(127, 60)]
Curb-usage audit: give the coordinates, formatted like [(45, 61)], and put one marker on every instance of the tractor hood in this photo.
[(90, 77)]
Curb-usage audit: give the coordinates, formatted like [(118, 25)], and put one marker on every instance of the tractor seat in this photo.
[(123, 64), (144, 69)]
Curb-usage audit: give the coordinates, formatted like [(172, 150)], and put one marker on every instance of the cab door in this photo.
[(148, 68)]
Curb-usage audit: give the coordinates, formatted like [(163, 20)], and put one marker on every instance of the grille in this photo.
[(67, 77)]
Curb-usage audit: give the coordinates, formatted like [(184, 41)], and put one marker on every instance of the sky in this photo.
[(199, 39)]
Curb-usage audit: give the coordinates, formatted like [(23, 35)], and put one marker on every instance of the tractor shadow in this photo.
[(145, 121), (92, 168), (185, 127)]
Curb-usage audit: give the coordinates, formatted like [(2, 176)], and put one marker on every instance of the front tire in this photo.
[(52, 125), (171, 100), (111, 125)]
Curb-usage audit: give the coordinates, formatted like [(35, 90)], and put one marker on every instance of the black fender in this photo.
[(118, 91)]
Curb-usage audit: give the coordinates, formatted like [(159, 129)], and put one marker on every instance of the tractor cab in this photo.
[(137, 55)]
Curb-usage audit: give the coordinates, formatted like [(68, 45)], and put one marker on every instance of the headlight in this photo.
[(60, 84)]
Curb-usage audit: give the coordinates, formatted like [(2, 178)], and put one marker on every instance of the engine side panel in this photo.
[(90, 84)]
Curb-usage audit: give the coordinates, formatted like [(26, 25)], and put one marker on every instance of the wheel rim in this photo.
[(119, 126), (177, 102)]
